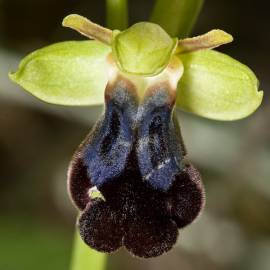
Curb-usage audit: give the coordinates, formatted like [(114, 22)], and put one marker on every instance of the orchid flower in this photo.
[(135, 156)]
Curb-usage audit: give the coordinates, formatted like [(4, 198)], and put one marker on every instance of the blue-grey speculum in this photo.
[(136, 158)]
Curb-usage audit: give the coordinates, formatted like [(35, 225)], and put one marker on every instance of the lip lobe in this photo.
[(135, 157)]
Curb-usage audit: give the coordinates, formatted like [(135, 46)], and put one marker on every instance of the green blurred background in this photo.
[(37, 141)]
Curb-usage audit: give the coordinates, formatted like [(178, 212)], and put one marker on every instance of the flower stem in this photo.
[(117, 14), (84, 258), (177, 17)]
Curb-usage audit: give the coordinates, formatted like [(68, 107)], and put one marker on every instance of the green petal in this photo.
[(66, 73), (218, 87), (143, 49), (210, 40)]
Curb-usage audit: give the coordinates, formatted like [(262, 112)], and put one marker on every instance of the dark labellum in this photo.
[(136, 158)]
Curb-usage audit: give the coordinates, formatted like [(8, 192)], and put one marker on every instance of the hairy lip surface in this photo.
[(136, 158)]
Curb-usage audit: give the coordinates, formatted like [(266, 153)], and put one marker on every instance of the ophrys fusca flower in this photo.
[(136, 158), (134, 155)]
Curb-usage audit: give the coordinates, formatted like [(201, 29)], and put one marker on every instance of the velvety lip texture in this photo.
[(136, 158)]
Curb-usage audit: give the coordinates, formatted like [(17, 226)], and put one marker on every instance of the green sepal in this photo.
[(143, 49), (66, 73), (218, 87)]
